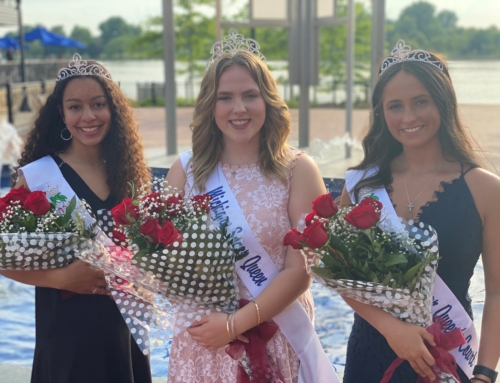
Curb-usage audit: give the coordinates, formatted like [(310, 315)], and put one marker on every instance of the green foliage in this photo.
[(116, 27), (419, 25), (371, 255)]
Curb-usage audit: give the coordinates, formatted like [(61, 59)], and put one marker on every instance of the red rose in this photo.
[(310, 218), (202, 202), (316, 235), (294, 238), (3, 207), (364, 215), (325, 206), (125, 213), (119, 236), (371, 201), (152, 202), (151, 229), (37, 203), (169, 235), (174, 205), (19, 194)]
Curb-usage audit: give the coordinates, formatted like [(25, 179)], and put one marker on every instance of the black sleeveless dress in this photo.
[(83, 338), (454, 216)]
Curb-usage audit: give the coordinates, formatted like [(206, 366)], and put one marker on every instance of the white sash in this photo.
[(44, 174), (257, 270), (445, 303)]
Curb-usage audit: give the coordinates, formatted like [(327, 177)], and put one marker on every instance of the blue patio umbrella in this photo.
[(67, 42), (50, 38), (8, 42)]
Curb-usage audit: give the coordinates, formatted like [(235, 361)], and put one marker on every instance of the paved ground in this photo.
[(327, 127)]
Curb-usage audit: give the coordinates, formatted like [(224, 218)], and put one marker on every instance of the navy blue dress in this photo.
[(455, 217), (83, 338)]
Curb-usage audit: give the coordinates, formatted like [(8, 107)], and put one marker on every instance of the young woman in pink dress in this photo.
[(241, 125)]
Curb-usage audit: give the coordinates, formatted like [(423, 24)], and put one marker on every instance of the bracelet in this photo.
[(479, 379), (258, 312), (486, 371), (227, 328), (232, 326)]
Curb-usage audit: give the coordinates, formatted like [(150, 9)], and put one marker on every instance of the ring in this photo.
[(93, 292)]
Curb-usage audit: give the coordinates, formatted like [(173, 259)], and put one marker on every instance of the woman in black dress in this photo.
[(428, 164), (87, 128)]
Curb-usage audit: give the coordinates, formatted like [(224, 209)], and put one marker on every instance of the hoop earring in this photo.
[(67, 138)]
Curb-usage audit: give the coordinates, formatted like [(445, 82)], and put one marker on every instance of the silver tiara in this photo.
[(232, 44), (79, 67), (403, 52)]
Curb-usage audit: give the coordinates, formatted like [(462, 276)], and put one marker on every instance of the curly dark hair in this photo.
[(121, 148)]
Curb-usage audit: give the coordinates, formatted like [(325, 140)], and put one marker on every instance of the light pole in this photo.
[(170, 88), (25, 107), (378, 39)]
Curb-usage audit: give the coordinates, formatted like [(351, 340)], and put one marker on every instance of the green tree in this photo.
[(59, 29), (149, 44), (417, 25), (448, 19), (115, 27), (333, 46), (93, 45)]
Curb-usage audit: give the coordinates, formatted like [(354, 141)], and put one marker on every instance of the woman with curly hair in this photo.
[(240, 157), (86, 134)]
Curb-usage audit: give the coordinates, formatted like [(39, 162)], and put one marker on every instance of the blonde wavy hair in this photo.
[(274, 153)]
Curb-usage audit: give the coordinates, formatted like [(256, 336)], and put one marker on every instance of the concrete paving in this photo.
[(327, 132)]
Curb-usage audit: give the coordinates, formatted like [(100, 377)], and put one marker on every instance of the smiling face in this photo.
[(240, 110), (410, 112), (85, 111)]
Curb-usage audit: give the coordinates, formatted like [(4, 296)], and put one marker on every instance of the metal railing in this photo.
[(20, 102), (35, 70), (327, 93)]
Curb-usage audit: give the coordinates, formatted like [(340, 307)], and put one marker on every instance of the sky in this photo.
[(90, 13)]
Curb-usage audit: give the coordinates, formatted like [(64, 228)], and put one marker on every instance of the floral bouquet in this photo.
[(39, 231), (179, 259), (350, 251)]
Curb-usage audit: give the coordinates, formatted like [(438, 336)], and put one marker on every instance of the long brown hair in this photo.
[(380, 147), (121, 148), (274, 153)]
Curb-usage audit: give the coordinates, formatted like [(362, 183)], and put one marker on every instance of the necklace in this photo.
[(410, 203)]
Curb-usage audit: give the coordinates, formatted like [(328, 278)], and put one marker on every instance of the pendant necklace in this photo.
[(410, 203)]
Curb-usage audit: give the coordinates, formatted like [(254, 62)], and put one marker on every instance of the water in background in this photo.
[(475, 82), (333, 323)]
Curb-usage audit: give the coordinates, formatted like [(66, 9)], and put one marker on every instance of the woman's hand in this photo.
[(211, 331), (80, 277), (408, 342)]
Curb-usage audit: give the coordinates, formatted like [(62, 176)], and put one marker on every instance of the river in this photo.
[(475, 82)]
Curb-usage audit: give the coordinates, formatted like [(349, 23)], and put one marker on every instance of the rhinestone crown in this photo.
[(403, 52), (79, 67), (232, 44)]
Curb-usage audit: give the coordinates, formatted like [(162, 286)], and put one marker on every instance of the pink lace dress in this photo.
[(265, 205)]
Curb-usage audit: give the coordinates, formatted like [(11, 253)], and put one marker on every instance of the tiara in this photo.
[(403, 52), (79, 67), (232, 44)]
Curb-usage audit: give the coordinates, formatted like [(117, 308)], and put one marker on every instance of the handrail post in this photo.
[(10, 112)]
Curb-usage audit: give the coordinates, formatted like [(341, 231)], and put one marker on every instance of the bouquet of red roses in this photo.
[(180, 259), (39, 231), (352, 252)]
